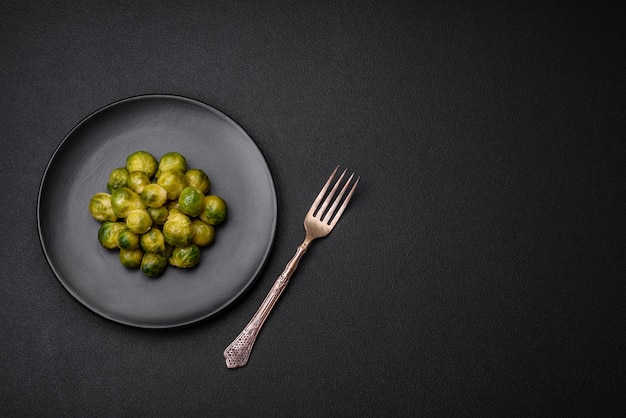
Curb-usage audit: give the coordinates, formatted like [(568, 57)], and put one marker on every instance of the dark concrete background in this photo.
[(479, 270)]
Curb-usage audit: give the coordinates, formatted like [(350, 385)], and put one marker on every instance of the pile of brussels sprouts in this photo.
[(157, 213)]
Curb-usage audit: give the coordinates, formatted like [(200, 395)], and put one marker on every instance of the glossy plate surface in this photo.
[(80, 167)]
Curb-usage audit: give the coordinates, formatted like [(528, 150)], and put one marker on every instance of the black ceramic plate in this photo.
[(80, 167)]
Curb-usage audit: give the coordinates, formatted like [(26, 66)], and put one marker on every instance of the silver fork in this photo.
[(318, 222)]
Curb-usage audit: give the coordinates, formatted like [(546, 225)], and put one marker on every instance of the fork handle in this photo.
[(238, 352)]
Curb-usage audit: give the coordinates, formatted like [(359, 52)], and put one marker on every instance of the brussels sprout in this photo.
[(214, 212), (100, 207), (127, 240), (157, 212), (153, 241), (142, 161), (153, 264), (203, 233), (137, 180), (154, 195), (117, 179), (198, 179), (185, 257), (177, 230), (124, 200), (172, 204), (191, 201), (168, 250), (173, 209), (139, 221), (131, 258), (171, 161), (173, 212), (108, 232), (158, 215), (174, 181)]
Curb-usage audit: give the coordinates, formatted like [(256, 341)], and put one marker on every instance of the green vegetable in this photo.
[(171, 161), (124, 200), (127, 240), (203, 233), (131, 258), (198, 179), (139, 221), (173, 181), (185, 257), (168, 250), (153, 195), (117, 179), (158, 215), (142, 161), (177, 230), (100, 207), (215, 211), (153, 241), (108, 232), (137, 180), (157, 212), (153, 264), (173, 207), (191, 201)]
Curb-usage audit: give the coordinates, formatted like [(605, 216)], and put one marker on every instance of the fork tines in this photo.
[(331, 215)]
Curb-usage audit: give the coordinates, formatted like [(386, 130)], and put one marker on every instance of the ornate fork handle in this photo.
[(238, 352), (318, 222)]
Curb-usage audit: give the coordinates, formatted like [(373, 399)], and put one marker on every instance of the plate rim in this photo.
[(103, 313)]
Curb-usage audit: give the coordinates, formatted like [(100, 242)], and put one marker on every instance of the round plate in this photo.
[(80, 167)]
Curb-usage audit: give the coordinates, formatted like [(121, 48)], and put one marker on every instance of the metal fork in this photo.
[(318, 222)]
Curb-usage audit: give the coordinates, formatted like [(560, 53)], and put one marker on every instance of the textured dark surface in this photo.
[(479, 270)]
